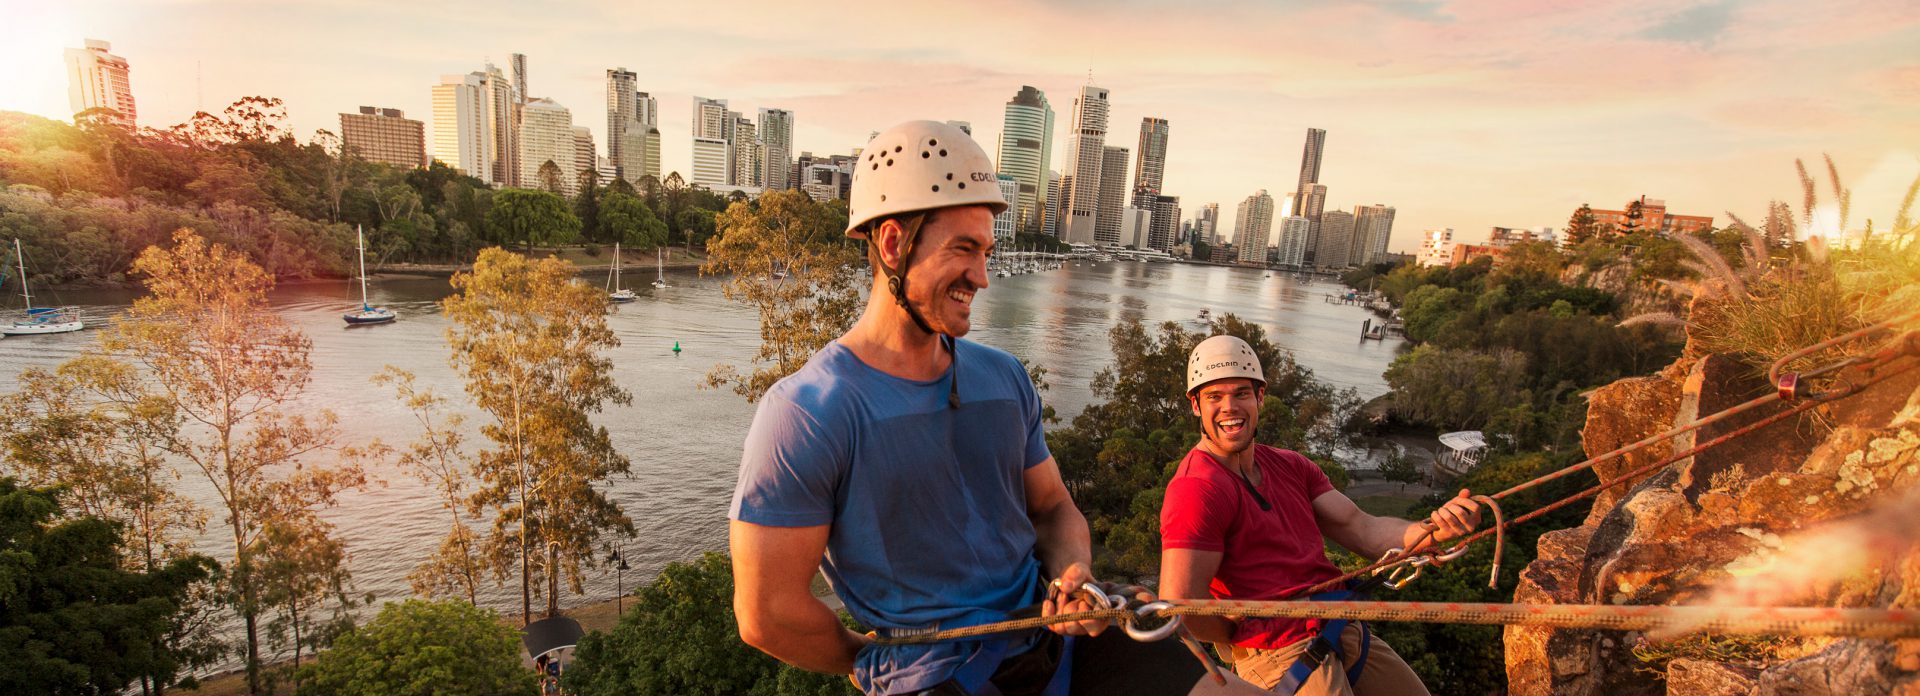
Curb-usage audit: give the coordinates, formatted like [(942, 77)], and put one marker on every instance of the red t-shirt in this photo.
[(1267, 553)]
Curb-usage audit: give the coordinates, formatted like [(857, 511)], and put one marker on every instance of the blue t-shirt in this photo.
[(927, 503)]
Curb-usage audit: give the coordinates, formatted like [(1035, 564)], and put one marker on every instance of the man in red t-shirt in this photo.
[(1243, 520)]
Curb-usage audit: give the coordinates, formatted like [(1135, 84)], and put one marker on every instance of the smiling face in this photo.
[(949, 265), (1229, 410)]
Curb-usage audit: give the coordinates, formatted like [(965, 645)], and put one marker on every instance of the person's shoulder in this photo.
[(1199, 468), (817, 386), (988, 355), (1284, 458)]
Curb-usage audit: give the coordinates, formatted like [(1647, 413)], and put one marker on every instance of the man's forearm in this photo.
[(1061, 539), (804, 634)]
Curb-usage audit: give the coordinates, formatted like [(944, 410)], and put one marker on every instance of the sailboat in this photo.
[(660, 263), (614, 292), (39, 320), (367, 314)]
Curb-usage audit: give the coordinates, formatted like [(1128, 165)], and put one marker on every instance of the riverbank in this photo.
[(598, 261)]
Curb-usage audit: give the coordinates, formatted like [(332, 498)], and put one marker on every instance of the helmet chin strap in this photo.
[(897, 286)]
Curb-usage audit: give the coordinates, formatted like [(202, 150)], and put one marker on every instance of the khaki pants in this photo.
[(1384, 675)]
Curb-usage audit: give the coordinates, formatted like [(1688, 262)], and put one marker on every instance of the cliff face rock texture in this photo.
[(1692, 530)]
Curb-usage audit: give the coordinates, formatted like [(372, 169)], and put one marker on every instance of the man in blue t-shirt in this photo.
[(910, 460)]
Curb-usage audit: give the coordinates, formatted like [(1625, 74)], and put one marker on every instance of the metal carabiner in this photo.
[(1148, 635)]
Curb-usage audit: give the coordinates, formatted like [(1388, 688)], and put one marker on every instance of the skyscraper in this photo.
[(626, 134), (518, 63), (1080, 181), (1311, 208), (710, 118), (746, 151), (1372, 229), (546, 136), (1026, 146), (1207, 223), (1336, 239), (1113, 195), (1162, 232), (504, 104), (585, 156), (1151, 166), (1251, 226), (648, 110), (709, 162), (384, 135), (1003, 223), (1310, 163), (1050, 222), (776, 137), (460, 134), (1293, 240), (97, 79)]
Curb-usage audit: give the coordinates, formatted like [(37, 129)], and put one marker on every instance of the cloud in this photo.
[(1700, 25)]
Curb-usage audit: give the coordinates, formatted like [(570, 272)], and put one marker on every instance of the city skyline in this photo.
[(1462, 115)]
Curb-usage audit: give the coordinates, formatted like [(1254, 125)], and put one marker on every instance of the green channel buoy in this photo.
[(676, 347)]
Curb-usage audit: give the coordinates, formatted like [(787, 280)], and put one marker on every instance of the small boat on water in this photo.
[(39, 320), (615, 293), (1205, 314), (660, 264), (367, 314)]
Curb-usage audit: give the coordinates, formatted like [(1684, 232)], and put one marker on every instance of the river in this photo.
[(684, 441)]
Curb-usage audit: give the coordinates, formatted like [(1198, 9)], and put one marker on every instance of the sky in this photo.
[(1465, 115)]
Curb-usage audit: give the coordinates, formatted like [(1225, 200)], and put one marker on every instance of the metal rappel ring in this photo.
[(1151, 610)]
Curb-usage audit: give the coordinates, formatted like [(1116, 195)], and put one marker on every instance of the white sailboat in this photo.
[(39, 320), (367, 314), (614, 292), (660, 264)]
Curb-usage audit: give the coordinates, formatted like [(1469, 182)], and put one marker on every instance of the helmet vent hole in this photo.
[(932, 142), (925, 155), (943, 153), (936, 188), (883, 198), (963, 184), (949, 176), (889, 162), (876, 166), (896, 148)]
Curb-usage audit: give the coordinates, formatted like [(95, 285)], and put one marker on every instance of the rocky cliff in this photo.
[(1687, 532)]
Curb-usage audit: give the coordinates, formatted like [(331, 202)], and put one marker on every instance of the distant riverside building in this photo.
[(1150, 167), (1436, 249), (1080, 180), (504, 105), (1466, 253), (546, 135), (585, 156), (648, 109), (386, 136), (825, 178), (1310, 157), (1372, 230), (1003, 224), (776, 138), (1654, 217), (460, 134), (1026, 148), (709, 162), (1207, 224), (1113, 195), (746, 152), (1050, 224), (97, 79), (1336, 239), (1509, 236), (710, 118), (604, 167), (626, 132), (1134, 225), (1293, 240), (1312, 207), (1252, 224), (964, 126), (1166, 214)]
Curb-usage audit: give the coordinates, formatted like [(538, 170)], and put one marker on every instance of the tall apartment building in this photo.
[(1134, 223), (1151, 167), (1293, 240), (1312, 207), (461, 138), (585, 156), (776, 138), (626, 133), (1050, 219), (504, 104), (1654, 217), (747, 154), (97, 79), (1310, 163), (1003, 224), (648, 109), (1080, 181), (709, 162), (518, 64), (1026, 148), (546, 136), (1163, 232), (1113, 195), (1372, 229), (386, 136), (1252, 225), (1207, 223), (1336, 239)]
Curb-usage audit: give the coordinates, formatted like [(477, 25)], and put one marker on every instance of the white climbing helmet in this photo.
[(920, 165), (1222, 357)]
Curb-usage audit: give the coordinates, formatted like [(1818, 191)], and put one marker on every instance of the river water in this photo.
[(684, 441)]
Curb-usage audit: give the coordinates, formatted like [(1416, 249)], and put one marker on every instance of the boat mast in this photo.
[(613, 276), (362, 236), (22, 260)]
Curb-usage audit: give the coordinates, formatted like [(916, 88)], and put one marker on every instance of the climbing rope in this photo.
[(1159, 619)]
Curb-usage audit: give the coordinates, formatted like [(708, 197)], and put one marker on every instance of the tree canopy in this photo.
[(422, 648)]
